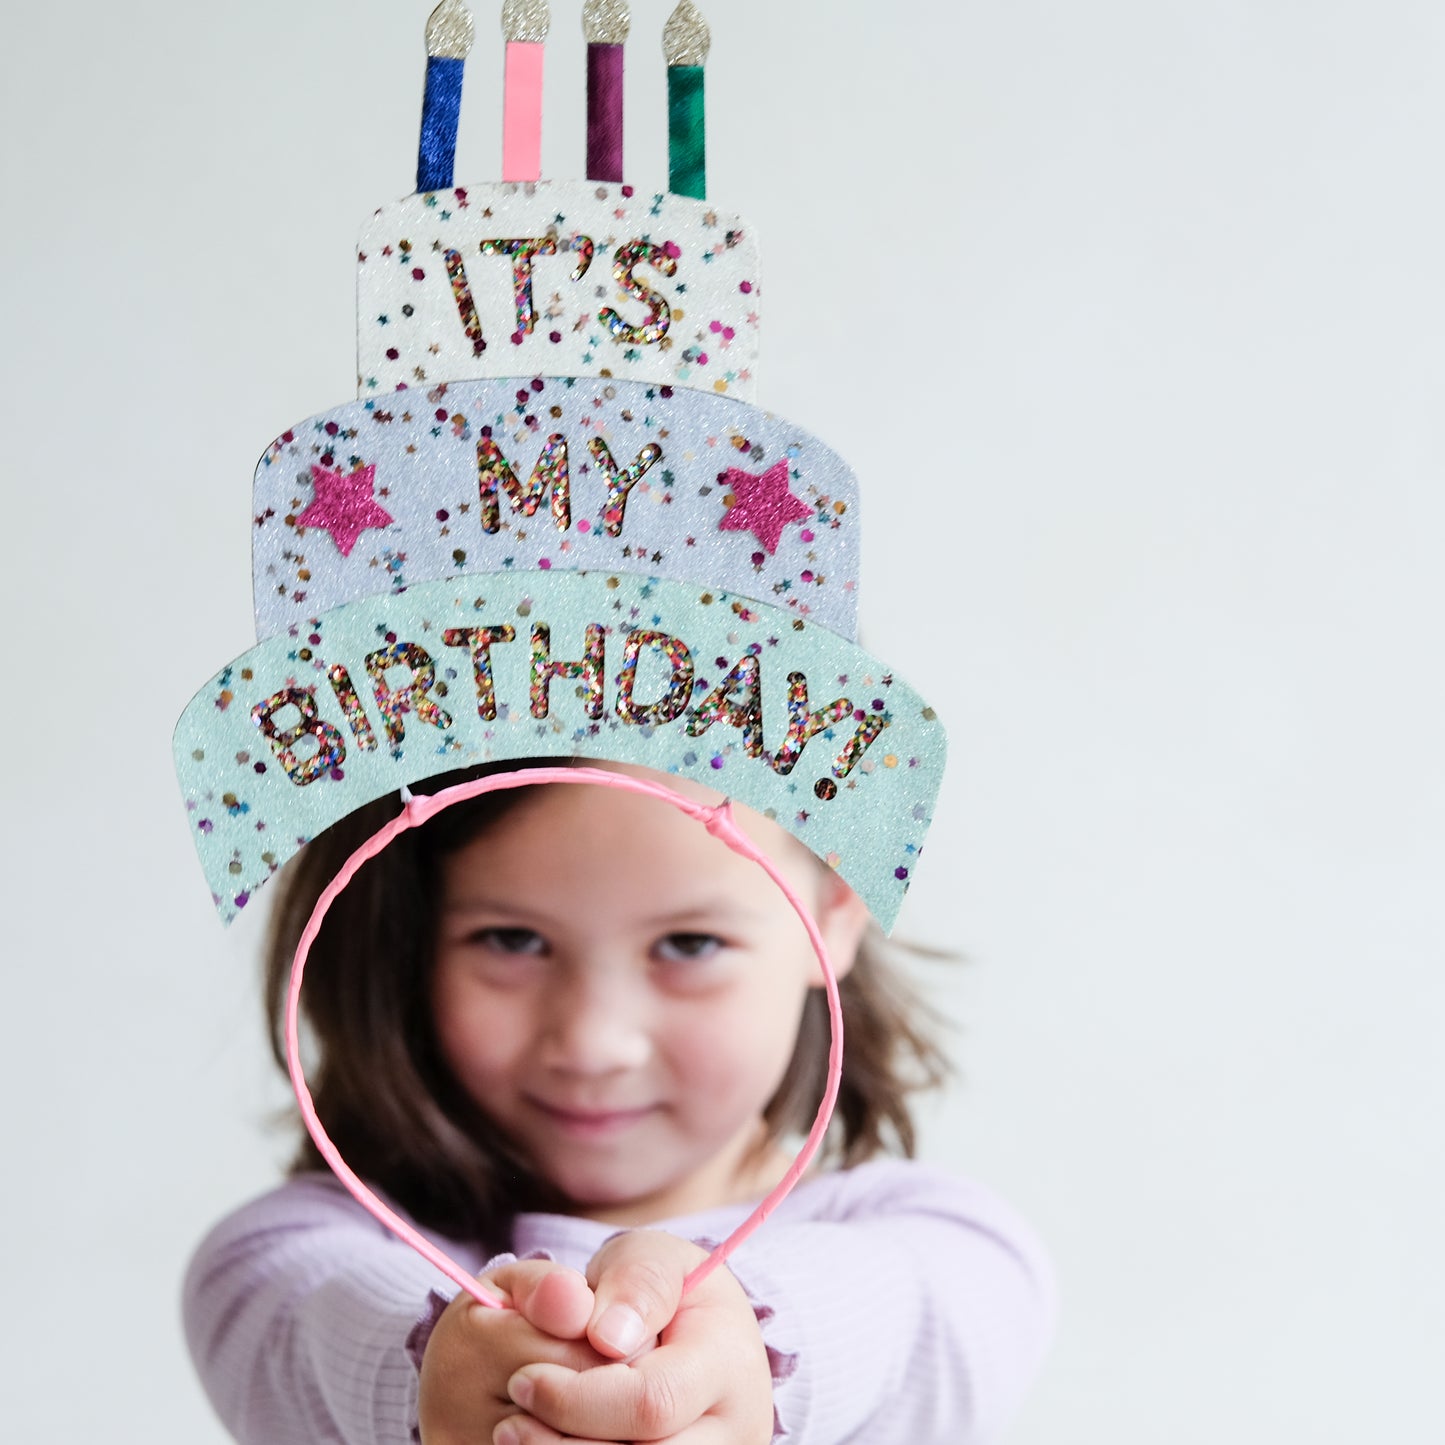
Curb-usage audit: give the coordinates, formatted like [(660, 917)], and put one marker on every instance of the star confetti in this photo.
[(763, 504), (344, 505)]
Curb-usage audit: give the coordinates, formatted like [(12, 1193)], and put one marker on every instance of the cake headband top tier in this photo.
[(555, 522)]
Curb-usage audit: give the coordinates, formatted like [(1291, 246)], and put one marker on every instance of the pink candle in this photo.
[(524, 25)]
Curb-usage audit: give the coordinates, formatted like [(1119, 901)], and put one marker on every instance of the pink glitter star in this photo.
[(763, 504), (344, 505)]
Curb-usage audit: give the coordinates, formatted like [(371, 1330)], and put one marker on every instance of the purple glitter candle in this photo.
[(605, 23)]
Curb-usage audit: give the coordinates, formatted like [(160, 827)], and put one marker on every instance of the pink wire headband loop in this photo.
[(418, 810)]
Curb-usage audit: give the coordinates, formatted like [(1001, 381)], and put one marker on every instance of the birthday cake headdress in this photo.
[(555, 522)]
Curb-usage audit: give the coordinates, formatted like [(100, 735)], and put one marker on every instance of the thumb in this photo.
[(637, 1281), (550, 1297)]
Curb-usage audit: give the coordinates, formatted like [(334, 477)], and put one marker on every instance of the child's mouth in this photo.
[(590, 1123)]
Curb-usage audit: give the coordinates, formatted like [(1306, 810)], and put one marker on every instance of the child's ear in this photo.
[(842, 919)]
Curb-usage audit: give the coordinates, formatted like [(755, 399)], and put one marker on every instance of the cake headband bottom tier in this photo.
[(781, 715)]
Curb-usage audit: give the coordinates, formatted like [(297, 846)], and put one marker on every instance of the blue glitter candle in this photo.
[(448, 41)]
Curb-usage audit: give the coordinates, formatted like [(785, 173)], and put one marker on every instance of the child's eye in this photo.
[(514, 942), (687, 947)]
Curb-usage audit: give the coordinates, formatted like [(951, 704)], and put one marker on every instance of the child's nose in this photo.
[(596, 1026)]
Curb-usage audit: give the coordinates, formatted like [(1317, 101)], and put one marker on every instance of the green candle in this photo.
[(685, 42)]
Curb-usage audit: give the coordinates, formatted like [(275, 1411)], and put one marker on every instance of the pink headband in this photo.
[(719, 822)]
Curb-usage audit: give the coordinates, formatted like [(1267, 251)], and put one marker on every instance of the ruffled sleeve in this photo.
[(306, 1320), (902, 1307)]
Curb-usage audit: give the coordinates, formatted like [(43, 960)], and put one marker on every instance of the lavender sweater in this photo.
[(899, 1306)]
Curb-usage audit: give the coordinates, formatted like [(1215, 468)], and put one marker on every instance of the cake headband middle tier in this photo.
[(534, 473)]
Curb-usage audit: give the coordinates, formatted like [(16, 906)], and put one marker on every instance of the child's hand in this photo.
[(474, 1350), (710, 1365)]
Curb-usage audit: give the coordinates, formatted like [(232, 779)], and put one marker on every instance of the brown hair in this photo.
[(388, 1099)]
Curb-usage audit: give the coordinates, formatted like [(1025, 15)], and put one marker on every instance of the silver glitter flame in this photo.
[(449, 32), (686, 39), (526, 20), (606, 22)]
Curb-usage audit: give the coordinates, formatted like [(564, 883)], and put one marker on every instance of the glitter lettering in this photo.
[(588, 671), (351, 709), (582, 245), (522, 251), (620, 482), (330, 750), (803, 725), (625, 264), (414, 697), (745, 713), (480, 640), (550, 473), (466, 307), (867, 733), (676, 695)]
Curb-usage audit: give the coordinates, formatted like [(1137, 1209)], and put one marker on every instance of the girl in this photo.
[(566, 1030)]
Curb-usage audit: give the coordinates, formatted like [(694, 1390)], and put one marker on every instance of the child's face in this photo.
[(620, 993)]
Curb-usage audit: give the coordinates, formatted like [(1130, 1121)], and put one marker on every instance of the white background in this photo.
[(1131, 317)]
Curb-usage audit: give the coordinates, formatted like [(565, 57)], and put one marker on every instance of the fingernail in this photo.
[(519, 1390), (621, 1328), (506, 1434)]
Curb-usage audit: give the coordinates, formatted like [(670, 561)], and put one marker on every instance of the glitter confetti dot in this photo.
[(900, 873), (826, 789)]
